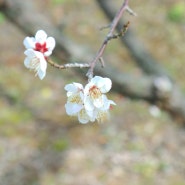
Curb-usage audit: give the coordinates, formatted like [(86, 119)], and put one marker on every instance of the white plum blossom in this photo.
[(38, 48), (101, 114), (89, 103), (40, 43), (94, 91), (35, 61), (74, 105)]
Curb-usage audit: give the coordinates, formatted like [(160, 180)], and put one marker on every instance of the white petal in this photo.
[(41, 36), (43, 63), (29, 42), (96, 79), (69, 94), (88, 104), (107, 103), (78, 85), (70, 87), (72, 109), (98, 102), (90, 113), (35, 60), (30, 53), (105, 85), (83, 117), (48, 53), (27, 62), (74, 87), (50, 43), (41, 73), (87, 87)]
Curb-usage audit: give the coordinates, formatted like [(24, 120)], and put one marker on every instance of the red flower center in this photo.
[(41, 47)]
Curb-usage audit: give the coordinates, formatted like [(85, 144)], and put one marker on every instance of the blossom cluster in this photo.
[(38, 48), (89, 103)]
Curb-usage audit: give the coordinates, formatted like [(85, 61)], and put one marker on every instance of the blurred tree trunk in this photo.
[(155, 86)]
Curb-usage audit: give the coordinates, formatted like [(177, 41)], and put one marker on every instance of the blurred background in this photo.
[(41, 145)]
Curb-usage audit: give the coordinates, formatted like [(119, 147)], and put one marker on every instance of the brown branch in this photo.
[(109, 36), (68, 65), (141, 56), (135, 87)]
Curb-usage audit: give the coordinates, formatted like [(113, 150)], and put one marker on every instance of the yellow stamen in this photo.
[(95, 92), (102, 116), (75, 99)]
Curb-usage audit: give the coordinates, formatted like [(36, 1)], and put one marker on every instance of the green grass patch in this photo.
[(2, 18), (177, 13)]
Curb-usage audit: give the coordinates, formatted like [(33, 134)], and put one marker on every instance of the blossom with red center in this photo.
[(41, 47), (38, 48), (40, 43)]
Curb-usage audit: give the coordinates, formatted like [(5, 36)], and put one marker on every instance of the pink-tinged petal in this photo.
[(29, 42), (41, 36), (50, 43)]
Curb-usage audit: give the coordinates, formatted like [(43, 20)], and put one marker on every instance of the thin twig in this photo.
[(130, 11), (55, 64), (108, 37), (69, 65), (121, 33)]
